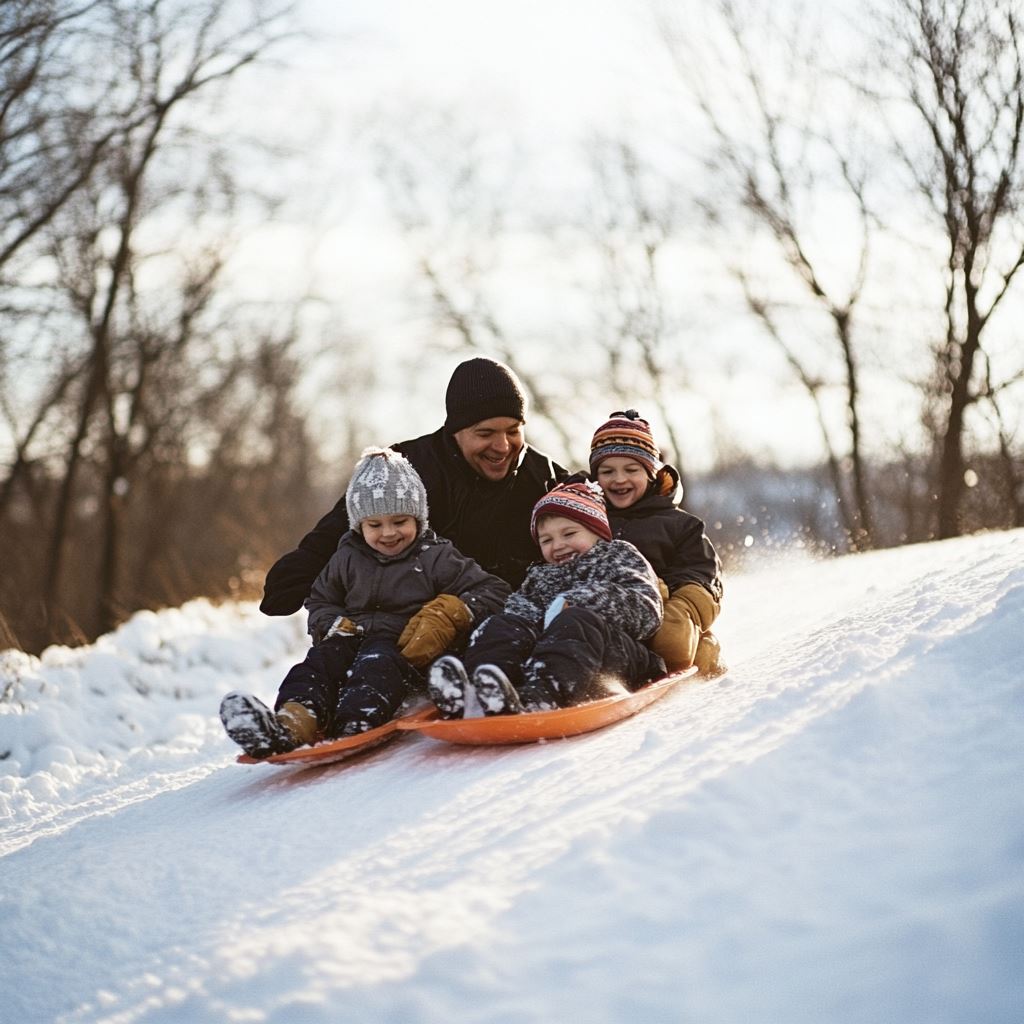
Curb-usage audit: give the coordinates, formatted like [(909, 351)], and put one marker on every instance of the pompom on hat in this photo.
[(384, 483), (581, 502), (628, 435), (481, 389)]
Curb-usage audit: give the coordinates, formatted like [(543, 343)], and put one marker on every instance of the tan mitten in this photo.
[(689, 611), (434, 629)]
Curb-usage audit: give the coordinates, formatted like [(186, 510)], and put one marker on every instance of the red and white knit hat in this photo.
[(582, 502), (628, 435)]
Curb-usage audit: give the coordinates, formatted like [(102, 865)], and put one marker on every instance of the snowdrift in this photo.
[(832, 832)]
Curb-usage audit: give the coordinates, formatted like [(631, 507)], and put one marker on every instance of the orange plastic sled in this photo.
[(337, 750), (541, 725)]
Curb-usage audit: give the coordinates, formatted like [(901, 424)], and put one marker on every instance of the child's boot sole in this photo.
[(253, 726)]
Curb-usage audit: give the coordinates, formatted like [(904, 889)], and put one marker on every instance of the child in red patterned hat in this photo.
[(643, 496), (572, 632)]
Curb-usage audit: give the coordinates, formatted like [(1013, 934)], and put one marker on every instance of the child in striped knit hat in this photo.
[(572, 632), (643, 497)]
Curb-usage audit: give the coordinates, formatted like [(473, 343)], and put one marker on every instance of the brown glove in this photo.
[(433, 629), (688, 612)]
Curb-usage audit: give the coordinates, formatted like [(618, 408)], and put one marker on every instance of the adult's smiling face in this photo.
[(492, 446)]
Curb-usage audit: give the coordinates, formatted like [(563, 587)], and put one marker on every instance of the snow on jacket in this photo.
[(673, 540), (381, 593), (612, 578), (489, 521)]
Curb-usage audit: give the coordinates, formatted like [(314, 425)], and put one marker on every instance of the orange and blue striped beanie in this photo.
[(628, 435)]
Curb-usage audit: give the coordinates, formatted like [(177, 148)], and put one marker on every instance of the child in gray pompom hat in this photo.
[(393, 597)]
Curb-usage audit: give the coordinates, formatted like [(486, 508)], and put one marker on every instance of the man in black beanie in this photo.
[(481, 477), (480, 393)]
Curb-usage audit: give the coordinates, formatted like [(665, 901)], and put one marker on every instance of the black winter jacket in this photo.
[(381, 593), (673, 540), (487, 521)]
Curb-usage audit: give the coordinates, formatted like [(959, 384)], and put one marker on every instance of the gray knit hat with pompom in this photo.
[(384, 483)]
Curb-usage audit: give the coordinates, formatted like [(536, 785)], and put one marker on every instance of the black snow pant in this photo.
[(579, 657), (348, 678)]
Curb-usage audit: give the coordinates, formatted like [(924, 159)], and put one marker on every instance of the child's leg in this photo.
[(314, 683), (379, 681), (582, 657), (504, 641), (494, 659), (304, 705)]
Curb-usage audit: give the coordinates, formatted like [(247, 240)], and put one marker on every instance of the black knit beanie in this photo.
[(481, 389)]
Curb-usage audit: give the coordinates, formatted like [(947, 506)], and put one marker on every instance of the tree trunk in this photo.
[(96, 386)]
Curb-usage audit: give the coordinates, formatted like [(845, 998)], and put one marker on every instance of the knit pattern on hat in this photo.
[(481, 389), (581, 502), (384, 483), (628, 435)]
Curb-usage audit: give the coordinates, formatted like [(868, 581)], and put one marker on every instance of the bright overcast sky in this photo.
[(563, 62), (540, 73)]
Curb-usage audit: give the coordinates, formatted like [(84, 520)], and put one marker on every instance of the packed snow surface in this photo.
[(833, 832)]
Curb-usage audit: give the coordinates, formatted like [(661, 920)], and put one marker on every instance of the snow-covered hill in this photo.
[(834, 832)]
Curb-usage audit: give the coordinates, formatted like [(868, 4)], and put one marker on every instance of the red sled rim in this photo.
[(336, 750), (541, 725)]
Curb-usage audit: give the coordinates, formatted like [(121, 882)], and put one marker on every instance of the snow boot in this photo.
[(494, 693), (707, 657), (537, 692), (254, 727), (301, 722), (446, 683)]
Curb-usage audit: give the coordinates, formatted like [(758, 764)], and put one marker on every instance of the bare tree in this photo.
[(454, 216), (959, 68), (633, 223), (63, 374), (230, 471), (167, 53), (160, 450), (777, 158), (1010, 469), (51, 136)]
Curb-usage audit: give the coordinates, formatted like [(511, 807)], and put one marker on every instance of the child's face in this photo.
[(623, 480), (389, 535), (561, 539)]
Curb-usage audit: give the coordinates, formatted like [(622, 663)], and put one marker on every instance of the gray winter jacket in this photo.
[(612, 578), (380, 593)]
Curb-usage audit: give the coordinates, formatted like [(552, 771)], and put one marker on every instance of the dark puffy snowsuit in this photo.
[(364, 677), (347, 678), (593, 646)]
